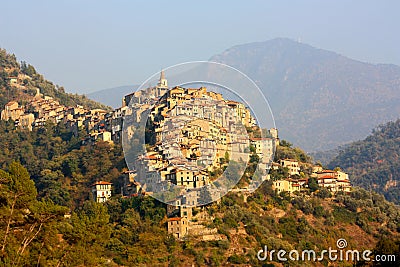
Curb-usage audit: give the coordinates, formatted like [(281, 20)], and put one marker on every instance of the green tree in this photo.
[(313, 184), (87, 235), (323, 193), (18, 193), (27, 219)]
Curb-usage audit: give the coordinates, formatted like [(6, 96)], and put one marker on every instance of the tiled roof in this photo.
[(175, 219), (102, 183)]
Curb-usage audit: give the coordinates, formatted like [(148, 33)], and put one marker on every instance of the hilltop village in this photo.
[(189, 154), (192, 135)]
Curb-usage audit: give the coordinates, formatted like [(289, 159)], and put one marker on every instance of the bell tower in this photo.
[(162, 83)]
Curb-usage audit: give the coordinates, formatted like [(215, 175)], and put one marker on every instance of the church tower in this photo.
[(162, 83)]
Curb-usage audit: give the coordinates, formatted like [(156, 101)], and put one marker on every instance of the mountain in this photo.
[(20, 82), (374, 163), (324, 157), (320, 99), (112, 96)]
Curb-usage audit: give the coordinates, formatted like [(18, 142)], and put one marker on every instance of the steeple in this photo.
[(162, 75), (162, 82)]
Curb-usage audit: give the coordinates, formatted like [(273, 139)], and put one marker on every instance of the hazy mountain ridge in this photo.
[(112, 96), (320, 99)]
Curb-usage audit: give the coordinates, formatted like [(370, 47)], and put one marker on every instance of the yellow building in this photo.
[(26, 120), (178, 226), (315, 170), (343, 185), (342, 175), (11, 111), (264, 148), (105, 136), (292, 165), (242, 113), (288, 185)]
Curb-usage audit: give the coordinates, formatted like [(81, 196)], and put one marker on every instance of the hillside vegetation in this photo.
[(132, 231), (374, 163)]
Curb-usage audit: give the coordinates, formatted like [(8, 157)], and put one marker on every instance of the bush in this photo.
[(319, 211), (323, 193), (341, 214), (303, 205), (237, 259), (330, 221)]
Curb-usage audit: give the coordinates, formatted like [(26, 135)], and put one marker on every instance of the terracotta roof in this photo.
[(175, 219), (101, 183)]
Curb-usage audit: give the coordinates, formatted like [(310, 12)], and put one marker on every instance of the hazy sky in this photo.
[(91, 45)]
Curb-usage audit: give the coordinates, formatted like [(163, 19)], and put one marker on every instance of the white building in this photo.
[(101, 191)]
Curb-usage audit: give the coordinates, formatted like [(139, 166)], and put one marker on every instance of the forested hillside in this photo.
[(62, 169), (54, 223), (131, 231), (28, 81), (374, 163)]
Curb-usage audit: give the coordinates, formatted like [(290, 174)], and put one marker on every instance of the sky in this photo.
[(87, 45)]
